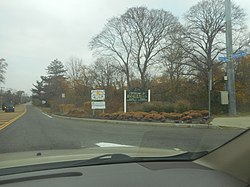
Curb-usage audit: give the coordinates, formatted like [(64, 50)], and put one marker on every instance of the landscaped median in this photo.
[(192, 116), (6, 118), (189, 119)]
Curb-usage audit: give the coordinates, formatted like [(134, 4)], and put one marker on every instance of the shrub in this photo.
[(139, 115), (87, 107), (65, 108), (153, 117), (105, 115), (186, 118), (182, 106), (185, 113), (76, 113), (195, 115), (115, 115), (204, 112), (125, 116), (153, 112), (54, 106), (152, 106)]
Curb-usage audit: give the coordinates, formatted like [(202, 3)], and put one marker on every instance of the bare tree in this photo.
[(205, 34), (74, 67), (79, 77), (135, 39), (3, 67), (151, 32), (115, 41), (104, 74), (174, 57)]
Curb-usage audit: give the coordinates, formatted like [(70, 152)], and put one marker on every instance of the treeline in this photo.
[(71, 85), (152, 49), (3, 67), (14, 97)]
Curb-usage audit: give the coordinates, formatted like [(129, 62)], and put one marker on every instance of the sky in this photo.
[(35, 32)]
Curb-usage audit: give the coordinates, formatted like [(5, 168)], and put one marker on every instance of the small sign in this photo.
[(234, 56), (239, 54), (63, 95), (98, 105), (97, 95), (224, 97), (223, 59)]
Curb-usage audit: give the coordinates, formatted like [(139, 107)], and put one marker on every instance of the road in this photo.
[(37, 131)]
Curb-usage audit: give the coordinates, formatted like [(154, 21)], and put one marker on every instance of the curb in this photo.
[(229, 127), (179, 125), (12, 120)]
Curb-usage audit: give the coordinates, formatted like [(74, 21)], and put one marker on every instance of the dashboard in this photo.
[(140, 174)]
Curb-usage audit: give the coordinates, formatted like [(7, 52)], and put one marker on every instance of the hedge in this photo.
[(188, 116)]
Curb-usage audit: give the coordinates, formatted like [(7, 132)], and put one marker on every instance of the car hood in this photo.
[(50, 156)]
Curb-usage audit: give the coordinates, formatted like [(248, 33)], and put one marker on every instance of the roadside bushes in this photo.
[(182, 106), (65, 108), (76, 112), (171, 116), (179, 106), (191, 116), (152, 106), (71, 110)]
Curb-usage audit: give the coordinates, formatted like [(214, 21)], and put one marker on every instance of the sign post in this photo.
[(149, 95), (125, 101)]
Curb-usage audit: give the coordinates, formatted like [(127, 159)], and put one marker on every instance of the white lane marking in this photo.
[(177, 149), (106, 144), (47, 115)]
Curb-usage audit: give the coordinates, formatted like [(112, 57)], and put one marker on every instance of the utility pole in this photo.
[(1, 100), (230, 65), (210, 82)]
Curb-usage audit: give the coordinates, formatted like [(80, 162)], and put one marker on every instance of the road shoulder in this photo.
[(7, 118)]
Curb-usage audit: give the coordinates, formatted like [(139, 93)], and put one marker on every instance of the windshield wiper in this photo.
[(105, 159), (123, 158)]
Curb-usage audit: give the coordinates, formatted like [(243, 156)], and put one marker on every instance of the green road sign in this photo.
[(137, 96)]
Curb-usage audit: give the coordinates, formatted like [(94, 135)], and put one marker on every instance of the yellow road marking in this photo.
[(12, 120)]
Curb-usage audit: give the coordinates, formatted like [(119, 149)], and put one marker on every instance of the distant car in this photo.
[(3, 107), (9, 108)]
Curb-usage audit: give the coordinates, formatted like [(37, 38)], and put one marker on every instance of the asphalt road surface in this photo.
[(37, 131)]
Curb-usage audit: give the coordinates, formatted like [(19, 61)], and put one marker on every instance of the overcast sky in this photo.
[(35, 32)]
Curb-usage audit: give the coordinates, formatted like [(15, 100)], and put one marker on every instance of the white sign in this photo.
[(63, 95), (224, 97), (97, 95), (98, 105)]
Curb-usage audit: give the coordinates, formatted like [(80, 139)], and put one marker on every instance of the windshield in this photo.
[(146, 79)]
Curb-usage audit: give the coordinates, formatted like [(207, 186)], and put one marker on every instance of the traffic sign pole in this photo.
[(149, 96), (125, 101)]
